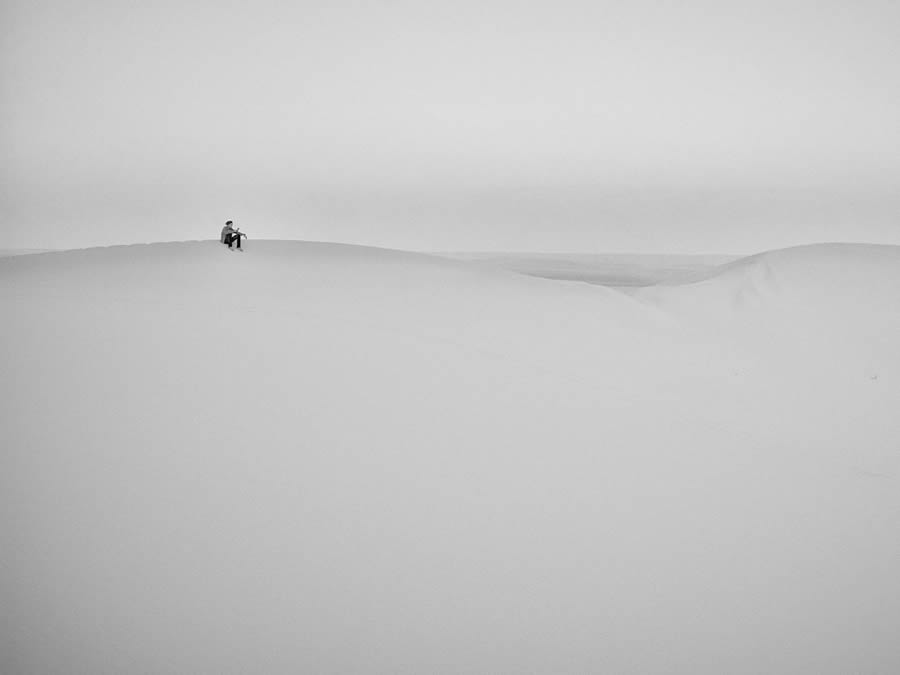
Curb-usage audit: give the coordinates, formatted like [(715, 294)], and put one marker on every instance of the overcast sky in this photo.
[(692, 126)]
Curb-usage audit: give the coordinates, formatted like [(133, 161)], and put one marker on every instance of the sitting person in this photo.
[(230, 235)]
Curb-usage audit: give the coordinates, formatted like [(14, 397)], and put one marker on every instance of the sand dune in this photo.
[(6, 252), (620, 270), (327, 458)]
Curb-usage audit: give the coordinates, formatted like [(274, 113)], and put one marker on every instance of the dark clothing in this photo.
[(231, 239)]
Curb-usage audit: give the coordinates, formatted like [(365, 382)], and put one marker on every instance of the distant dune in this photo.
[(313, 457), (621, 270), (7, 252), (828, 306)]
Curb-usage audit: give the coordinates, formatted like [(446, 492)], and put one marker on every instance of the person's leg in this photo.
[(237, 239), (228, 239)]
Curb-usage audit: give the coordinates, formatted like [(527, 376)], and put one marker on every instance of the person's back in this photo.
[(227, 230)]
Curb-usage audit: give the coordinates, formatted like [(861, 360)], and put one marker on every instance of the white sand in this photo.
[(7, 252), (615, 269), (332, 459)]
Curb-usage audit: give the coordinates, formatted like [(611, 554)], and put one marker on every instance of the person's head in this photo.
[(228, 222)]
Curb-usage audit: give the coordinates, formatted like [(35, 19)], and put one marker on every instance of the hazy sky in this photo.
[(700, 125)]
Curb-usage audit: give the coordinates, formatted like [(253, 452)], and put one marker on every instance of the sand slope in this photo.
[(327, 458)]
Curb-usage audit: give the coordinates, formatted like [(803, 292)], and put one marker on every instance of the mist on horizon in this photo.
[(576, 126)]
